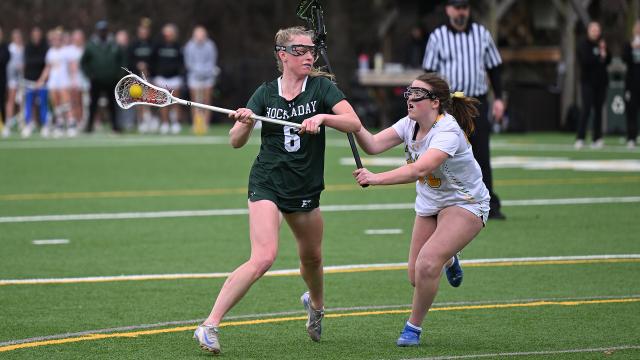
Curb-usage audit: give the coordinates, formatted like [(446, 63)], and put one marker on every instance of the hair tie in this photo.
[(457, 94)]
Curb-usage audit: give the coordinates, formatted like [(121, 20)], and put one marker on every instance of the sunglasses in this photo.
[(419, 94), (299, 50)]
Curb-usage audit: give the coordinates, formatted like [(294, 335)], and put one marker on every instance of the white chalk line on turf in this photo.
[(325, 208), (299, 312), (337, 269), (606, 350)]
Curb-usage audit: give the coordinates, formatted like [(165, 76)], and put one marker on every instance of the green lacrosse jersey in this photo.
[(289, 164)]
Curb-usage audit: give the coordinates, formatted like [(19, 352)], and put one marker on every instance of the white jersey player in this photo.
[(452, 202), (458, 180)]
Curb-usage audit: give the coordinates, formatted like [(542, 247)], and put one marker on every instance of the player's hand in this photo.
[(498, 110), (364, 177), (243, 115), (311, 125)]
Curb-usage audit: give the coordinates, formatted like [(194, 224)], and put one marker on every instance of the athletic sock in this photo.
[(417, 328), (453, 260)]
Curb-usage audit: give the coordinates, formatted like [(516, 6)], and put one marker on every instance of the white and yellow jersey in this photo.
[(458, 181)]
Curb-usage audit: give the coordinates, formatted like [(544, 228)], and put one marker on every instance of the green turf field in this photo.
[(174, 209)]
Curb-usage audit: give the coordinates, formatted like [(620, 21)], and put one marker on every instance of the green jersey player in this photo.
[(287, 176)]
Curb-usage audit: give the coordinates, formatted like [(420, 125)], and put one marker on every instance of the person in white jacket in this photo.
[(200, 59)]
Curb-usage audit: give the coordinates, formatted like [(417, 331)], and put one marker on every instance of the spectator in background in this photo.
[(126, 118), (415, 48), (139, 61), (631, 57), (57, 77), (594, 81), (168, 67), (34, 62), (447, 54), (200, 58), (14, 75), (5, 56), (79, 83), (102, 63)]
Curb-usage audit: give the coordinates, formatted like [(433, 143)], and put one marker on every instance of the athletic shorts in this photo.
[(286, 205), (171, 83), (480, 209), (197, 83)]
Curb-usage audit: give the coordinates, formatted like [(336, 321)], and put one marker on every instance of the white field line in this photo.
[(326, 208), (525, 162), (136, 141), (97, 141), (298, 312), (50, 242), (607, 351), (383, 231), (294, 272)]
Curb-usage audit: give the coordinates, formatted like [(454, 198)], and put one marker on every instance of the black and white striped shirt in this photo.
[(463, 58)]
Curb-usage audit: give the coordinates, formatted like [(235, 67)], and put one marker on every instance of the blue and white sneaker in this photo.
[(454, 272), (207, 336), (314, 322), (410, 336)]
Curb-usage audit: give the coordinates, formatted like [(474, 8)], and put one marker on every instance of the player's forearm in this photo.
[(348, 122), (403, 175), (367, 142), (239, 134)]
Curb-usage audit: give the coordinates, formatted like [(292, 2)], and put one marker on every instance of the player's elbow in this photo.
[(236, 141), (356, 126), (418, 172)]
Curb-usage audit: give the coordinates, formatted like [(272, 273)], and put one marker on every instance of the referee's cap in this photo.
[(458, 2)]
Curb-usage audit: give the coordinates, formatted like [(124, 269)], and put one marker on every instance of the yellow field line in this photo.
[(242, 190), (300, 318)]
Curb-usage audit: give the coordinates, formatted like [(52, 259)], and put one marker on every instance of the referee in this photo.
[(464, 53)]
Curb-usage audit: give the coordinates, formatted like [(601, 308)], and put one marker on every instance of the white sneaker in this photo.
[(6, 132), (176, 128), (164, 129), (45, 132), (314, 320), (72, 132), (598, 144), (207, 336), (631, 144), (57, 132), (579, 144), (26, 131)]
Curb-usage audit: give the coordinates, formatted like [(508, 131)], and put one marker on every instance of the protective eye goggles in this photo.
[(299, 50), (419, 94)]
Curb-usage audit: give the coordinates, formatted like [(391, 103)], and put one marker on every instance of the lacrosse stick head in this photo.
[(128, 94)]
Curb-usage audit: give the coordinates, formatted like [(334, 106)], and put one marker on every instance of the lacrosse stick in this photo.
[(133, 90), (311, 12)]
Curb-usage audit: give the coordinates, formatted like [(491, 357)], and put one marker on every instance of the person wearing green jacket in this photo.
[(102, 63)]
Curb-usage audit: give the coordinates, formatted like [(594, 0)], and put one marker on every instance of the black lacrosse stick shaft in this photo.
[(315, 21)]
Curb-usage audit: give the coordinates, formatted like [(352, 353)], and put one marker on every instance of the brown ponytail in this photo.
[(461, 107)]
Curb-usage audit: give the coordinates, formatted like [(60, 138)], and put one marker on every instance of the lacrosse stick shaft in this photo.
[(352, 141), (228, 111)]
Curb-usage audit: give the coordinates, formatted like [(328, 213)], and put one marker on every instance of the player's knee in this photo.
[(263, 263), (428, 268), (412, 275), (311, 260)]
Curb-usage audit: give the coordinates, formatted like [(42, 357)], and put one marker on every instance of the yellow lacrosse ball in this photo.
[(135, 91)]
